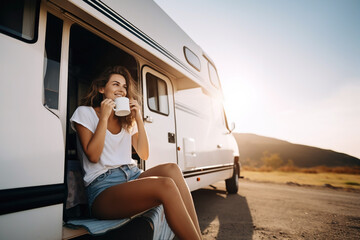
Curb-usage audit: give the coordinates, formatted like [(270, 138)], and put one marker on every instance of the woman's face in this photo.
[(115, 87)]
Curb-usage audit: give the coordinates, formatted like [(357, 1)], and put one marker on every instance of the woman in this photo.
[(116, 187)]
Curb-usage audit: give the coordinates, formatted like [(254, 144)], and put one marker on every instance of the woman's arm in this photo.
[(139, 140), (93, 143)]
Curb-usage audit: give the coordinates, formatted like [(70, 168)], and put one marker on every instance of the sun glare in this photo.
[(242, 102)]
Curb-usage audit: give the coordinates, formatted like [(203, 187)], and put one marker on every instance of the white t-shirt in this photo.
[(117, 147)]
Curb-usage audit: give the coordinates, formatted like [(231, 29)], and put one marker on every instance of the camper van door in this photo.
[(158, 105)]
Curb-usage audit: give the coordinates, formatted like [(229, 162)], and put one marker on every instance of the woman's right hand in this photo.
[(93, 143), (106, 108)]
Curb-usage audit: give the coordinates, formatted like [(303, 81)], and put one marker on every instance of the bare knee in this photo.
[(167, 183), (173, 171), (171, 168), (167, 188)]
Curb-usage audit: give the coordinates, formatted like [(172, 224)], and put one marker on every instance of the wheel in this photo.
[(232, 184)]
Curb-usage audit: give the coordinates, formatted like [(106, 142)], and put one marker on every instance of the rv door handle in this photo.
[(219, 146), (149, 119)]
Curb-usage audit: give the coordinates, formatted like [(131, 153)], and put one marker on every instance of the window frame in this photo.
[(147, 94), (218, 86), (47, 59), (4, 30), (185, 49)]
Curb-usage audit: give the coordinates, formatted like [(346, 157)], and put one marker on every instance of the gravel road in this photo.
[(277, 211)]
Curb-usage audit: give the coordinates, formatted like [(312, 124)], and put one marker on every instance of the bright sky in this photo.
[(289, 69)]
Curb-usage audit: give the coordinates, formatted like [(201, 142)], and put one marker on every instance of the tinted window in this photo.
[(192, 59), (19, 18), (52, 61), (157, 95), (213, 76)]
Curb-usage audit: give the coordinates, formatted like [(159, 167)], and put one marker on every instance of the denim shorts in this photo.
[(112, 177)]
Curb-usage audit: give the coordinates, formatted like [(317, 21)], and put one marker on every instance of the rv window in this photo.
[(157, 95), (19, 19), (52, 61), (213, 76), (192, 59)]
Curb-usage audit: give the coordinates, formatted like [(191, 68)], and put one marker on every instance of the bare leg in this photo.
[(128, 199), (172, 171)]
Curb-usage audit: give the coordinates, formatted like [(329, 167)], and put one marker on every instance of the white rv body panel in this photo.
[(31, 136), (158, 126), (183, 114), (199, 181), (200, 119), (31, 140), (39, 223)]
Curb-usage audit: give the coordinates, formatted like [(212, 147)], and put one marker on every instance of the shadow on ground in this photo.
[(223, 216)]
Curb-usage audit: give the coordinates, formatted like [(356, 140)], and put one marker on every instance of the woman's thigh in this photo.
[(130, 198), (165, 170)]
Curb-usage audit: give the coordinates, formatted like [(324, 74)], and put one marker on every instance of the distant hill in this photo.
[(252, 148)]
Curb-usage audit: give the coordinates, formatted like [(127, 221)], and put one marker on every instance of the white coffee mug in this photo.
[(122, 107)]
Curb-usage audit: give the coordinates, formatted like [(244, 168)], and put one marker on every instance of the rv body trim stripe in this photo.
[(202, 171), (117, 18), (20, 199)]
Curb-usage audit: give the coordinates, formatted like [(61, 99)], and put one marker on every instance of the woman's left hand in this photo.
[(135, 108)]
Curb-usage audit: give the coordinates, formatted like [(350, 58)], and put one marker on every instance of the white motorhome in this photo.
[(50, 52)]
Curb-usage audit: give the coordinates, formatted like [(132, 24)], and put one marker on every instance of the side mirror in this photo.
[(232, 127)]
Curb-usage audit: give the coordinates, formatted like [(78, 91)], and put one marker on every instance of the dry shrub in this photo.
[(288, 169), (257, 169), (265, 169), (308, 170), (313, 170), (271, 160), (347, 170), (249, 168), (322, 169)]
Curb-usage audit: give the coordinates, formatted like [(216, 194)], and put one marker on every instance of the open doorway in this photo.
[(89, 55)]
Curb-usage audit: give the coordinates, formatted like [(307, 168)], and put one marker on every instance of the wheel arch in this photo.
[(238, 164)]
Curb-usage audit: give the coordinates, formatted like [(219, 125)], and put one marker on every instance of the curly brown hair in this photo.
[(94, 97)]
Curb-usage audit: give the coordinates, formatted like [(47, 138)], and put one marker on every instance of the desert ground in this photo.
[(277, 211)]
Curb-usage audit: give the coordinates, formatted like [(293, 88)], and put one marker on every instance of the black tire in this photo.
[(232, 184)]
